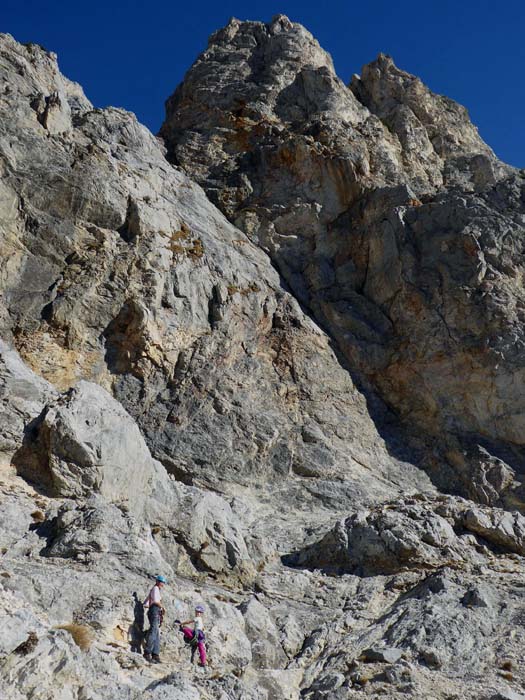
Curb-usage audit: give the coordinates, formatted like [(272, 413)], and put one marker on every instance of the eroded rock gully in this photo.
[(296, 392)]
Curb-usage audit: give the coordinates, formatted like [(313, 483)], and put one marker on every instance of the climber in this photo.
[(195, 636), (155, 615)]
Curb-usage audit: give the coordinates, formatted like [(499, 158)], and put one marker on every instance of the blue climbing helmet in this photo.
[(161, 579), (199, 608)]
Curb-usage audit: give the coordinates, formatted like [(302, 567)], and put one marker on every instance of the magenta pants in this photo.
[(188, 634)]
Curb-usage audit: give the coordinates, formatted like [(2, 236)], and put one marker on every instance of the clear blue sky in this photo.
[(133, 54)]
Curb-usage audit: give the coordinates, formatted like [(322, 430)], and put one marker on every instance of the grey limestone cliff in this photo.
[(387, 216), (274, 353)]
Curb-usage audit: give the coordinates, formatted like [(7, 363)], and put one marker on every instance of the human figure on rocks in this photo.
[(195, 636), (153, 604)]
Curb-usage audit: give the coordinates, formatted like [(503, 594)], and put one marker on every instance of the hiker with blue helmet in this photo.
[(153, 604), (195, 637)]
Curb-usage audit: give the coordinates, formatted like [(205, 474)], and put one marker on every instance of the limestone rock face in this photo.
[(262, 632), (23, 397), (120, 271), (261, 406), (386, 214)]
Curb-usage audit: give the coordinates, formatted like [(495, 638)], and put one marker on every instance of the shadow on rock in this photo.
[(136, 630), (30, 461)]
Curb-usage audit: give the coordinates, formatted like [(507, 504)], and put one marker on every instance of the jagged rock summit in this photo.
[(252, 355), (387, 216)]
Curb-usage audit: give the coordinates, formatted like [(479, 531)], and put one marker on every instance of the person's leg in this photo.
[(187, 632), (156, 631), (149, 635), (202, 653)]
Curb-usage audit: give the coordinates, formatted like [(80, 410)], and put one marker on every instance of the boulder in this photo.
[(211, 532), (387, 655), (503, 529), (92, 445), (98, 529), (387, 539), (262, 632), (412, 533)]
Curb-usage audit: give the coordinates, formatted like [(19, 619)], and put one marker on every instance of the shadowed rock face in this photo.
[(176, 393), (384, 211)]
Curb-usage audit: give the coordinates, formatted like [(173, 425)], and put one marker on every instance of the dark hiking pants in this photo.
[(153, 636)]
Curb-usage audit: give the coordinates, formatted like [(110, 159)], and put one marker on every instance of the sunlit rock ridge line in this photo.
[(274, 353)]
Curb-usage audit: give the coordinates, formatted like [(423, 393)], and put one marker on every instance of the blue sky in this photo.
[(133, 54)]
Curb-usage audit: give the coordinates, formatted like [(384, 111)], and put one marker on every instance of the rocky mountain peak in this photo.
[(422, 120), (277, 75), (265, 73), (279, 41), (45, 93), (366, 199)]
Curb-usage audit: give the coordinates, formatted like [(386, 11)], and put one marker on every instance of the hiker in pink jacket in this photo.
[(195, 636)]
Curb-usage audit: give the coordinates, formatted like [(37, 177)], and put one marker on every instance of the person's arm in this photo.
[(187, 622)]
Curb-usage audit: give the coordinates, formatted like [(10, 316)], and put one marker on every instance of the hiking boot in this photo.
[(147, 656), (156, 659)]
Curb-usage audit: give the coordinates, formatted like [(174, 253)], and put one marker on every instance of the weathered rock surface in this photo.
[(389, 218), (177, 393), (422, 533), (121, 272), (23, 396)]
